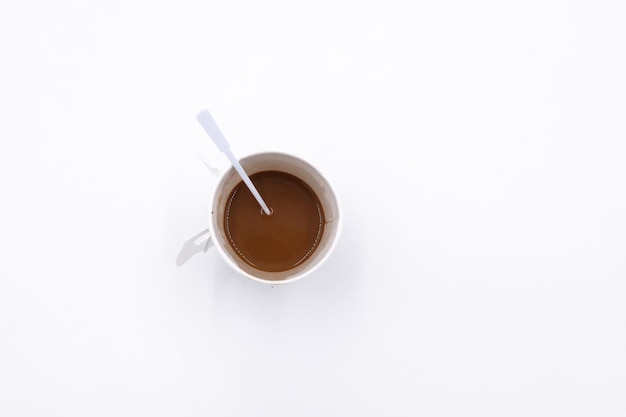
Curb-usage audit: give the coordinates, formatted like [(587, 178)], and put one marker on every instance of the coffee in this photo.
[(282, 240)]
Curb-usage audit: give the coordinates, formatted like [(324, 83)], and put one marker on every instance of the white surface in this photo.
[(487, 278)]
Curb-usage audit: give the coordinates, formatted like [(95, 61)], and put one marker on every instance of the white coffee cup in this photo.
[(216, 236)]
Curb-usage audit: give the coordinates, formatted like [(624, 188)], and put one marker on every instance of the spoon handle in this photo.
[(248, 181), (209, 125)]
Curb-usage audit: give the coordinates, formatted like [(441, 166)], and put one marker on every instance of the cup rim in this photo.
[(226, 256)]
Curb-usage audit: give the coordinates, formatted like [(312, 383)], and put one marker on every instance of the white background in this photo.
[(478, 149)]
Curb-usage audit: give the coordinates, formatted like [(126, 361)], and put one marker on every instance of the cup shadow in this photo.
[(197, 244)]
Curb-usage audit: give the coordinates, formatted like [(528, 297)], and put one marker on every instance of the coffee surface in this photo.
[(284, 239)]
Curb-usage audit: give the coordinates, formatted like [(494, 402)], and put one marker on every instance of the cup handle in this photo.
[(194, 246)]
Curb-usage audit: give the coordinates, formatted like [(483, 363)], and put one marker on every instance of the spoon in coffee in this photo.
[(209, 125)]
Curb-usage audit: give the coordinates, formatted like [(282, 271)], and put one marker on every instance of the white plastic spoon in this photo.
[(209, 125)]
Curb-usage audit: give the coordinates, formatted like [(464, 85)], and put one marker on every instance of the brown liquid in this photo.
[(288, 236)]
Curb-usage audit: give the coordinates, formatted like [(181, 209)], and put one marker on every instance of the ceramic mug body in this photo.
[(274, 161)]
